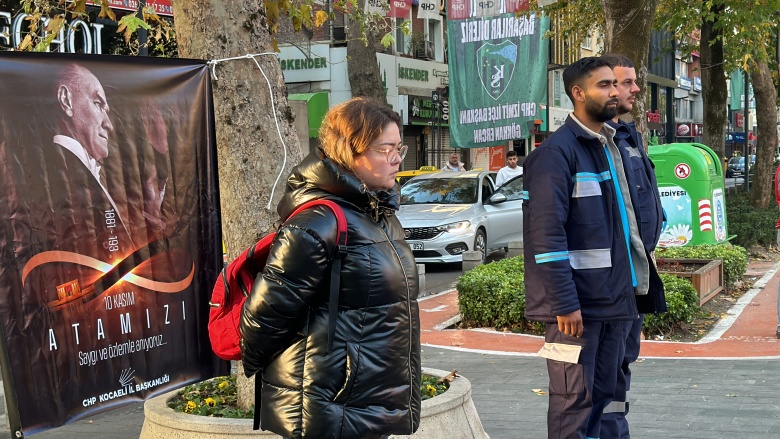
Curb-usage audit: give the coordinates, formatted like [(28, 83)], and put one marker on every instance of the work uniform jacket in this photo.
[(647, 206), (368, 385), (576, 253)]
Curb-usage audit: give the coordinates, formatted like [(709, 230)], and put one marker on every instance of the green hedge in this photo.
[(683, 302), (734, 258), (751, 226), (493, 295)]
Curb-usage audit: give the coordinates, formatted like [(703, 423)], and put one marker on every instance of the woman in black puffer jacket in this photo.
[(368, 385)]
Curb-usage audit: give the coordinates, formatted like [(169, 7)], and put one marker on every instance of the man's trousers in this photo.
[(614, 424), (580, 391)]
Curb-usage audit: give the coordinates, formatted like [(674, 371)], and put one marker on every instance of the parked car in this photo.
[(736, 166), (447, 213)]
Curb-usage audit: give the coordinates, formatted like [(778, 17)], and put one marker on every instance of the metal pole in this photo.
[(438, 124), (143, 34), (747, 145), (436, 144)]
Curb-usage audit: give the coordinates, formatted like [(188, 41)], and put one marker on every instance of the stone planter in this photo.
[(706, 275), (451, 415)]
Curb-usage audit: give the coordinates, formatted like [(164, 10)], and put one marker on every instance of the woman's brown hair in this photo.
[(349, 128)]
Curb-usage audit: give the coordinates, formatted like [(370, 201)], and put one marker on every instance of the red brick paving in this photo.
[(752, 334)]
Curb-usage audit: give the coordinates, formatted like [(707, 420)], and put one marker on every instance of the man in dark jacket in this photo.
[(649, 212), (585, 261)]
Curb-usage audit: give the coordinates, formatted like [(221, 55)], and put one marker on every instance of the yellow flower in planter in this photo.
[(431, 390), (191, 406), (223, 384), (210, 402)]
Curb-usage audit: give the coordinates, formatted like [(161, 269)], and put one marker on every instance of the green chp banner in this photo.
[(498, 75)]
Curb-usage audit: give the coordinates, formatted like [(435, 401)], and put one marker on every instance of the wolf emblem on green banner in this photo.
[(496, 65)]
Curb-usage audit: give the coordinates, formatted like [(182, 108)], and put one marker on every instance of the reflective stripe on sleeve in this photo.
[(551, 257), (585, 259)]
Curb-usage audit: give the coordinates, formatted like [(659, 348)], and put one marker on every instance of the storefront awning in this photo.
[(317, 105)]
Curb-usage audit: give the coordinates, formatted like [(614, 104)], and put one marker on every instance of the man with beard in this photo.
[(454, 165), (649, 213), (585, 262)]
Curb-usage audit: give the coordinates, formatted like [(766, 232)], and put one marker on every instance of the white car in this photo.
[(448, 213)]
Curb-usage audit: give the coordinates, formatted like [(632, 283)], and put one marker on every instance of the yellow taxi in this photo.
[(404, 176)]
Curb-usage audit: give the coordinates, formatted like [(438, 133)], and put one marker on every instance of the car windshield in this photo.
[(737, 160), (741, 160), (440, 191)]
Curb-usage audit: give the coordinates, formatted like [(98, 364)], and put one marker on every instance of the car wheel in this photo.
[(480, 244)]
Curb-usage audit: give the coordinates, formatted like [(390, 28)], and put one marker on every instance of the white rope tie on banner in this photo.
[(253, 57)]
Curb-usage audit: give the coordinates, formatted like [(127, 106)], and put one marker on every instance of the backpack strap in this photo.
[(335, 266), (335, 284), (333, 300)]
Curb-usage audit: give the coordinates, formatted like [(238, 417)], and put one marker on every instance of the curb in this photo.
[(735, 311), (451, 415)]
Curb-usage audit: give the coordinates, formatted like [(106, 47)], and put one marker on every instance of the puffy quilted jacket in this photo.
[(369, 384)]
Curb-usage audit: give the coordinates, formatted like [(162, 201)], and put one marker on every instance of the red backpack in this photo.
[(235, 282)]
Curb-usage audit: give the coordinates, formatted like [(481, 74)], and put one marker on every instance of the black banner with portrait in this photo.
[(109, 232)]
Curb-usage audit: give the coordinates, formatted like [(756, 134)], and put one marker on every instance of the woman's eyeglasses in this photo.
[(392, 151)]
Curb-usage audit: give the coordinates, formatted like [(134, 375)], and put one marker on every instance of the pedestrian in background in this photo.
[(585, 261), (649, 213), (454, 165), (368, 384), (511, 170)]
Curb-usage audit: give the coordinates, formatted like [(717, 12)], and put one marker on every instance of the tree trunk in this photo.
[(713, 78), (362, 66), (250, 153), (626, 23), (766, 116)]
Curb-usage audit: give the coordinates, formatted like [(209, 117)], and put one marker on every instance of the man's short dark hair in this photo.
[(618, 60), (579, 70), (511, 153)]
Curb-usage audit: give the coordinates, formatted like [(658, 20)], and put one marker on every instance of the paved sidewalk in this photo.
[(747, 331), (723, 387), (682, 398)]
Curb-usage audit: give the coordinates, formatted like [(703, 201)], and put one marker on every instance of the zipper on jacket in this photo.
[(623, 215), (409, 315)]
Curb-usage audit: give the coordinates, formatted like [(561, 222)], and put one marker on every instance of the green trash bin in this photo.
[(691, 185)]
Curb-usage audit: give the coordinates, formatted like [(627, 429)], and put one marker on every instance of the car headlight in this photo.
[(455, 228)]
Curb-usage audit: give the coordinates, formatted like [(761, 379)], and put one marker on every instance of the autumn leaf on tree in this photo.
[(320, 18), (129, 24)]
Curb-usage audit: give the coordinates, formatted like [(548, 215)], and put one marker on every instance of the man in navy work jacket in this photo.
[(585, 262), (649, 213)]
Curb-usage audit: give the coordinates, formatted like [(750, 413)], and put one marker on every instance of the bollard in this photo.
[(421, 279), (515, 248), (471, 260)]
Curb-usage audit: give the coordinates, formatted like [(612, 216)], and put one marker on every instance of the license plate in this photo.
[(417, 246)]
